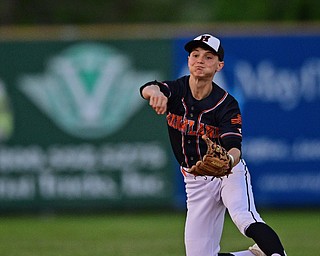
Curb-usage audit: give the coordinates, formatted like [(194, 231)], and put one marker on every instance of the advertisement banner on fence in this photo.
[(75, 132), (276, 80)]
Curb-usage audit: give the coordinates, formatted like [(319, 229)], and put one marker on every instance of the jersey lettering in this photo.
[(188, 127)]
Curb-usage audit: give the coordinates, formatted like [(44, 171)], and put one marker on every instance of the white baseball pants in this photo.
[(207, 201)]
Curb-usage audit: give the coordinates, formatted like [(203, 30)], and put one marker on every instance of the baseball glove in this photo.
[(216, 161)]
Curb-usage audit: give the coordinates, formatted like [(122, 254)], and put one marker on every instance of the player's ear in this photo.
[(220, 66)]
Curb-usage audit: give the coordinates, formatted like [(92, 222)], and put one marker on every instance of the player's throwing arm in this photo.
[(157, 100)]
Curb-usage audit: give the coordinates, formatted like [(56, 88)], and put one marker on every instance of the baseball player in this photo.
[(197, 108)]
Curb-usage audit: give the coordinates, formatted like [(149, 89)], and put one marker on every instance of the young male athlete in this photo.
[(196, 106)]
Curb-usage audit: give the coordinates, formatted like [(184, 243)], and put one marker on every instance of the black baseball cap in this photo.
[(208, 42)]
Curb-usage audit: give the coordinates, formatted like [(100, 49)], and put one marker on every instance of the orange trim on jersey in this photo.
[(182, 133), (184, 173), (222, 99)]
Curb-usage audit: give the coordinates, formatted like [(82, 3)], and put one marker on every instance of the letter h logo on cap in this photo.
[(205, 38)]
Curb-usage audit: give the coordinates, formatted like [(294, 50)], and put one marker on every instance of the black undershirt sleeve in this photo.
[(163, 88), (231, 142)]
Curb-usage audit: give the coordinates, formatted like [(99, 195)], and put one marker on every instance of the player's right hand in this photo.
[(158, 102)]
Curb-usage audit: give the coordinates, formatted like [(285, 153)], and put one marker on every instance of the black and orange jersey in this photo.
[(217, 115)]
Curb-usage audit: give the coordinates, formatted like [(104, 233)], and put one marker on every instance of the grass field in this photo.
[(140, 234)]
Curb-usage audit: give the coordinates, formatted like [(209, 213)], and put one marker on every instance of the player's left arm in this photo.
[(234, 155), (230, 131)]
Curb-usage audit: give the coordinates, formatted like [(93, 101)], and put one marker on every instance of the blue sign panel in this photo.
[(276, 80)]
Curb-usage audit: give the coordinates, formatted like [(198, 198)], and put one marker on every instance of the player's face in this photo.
[(203, 63)]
